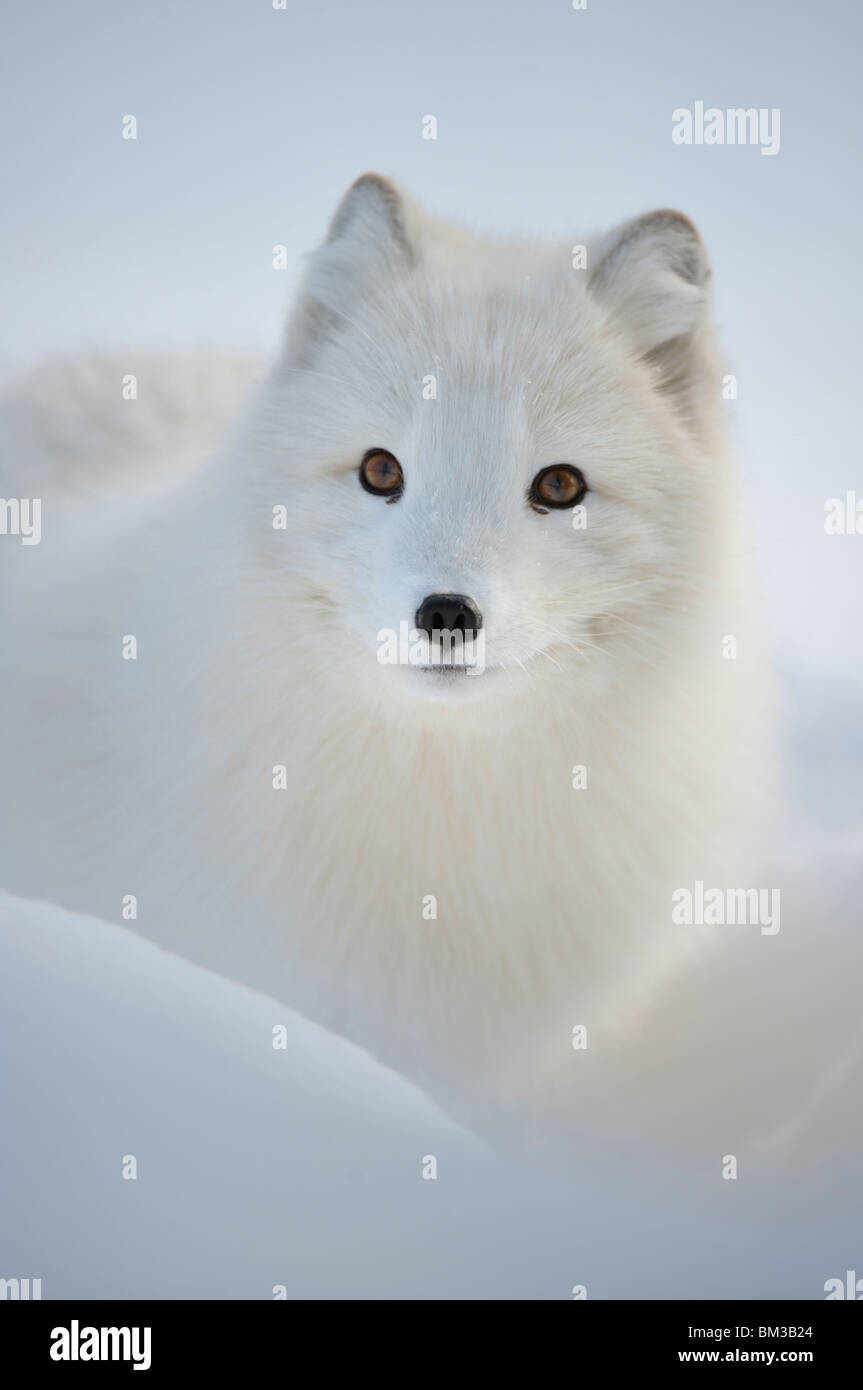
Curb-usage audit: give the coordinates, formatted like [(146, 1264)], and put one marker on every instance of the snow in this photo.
[(302, 1166)]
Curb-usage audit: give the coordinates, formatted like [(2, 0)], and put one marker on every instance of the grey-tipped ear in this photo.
[(367, 246), (653, 272), (370, 218), (653, 275)]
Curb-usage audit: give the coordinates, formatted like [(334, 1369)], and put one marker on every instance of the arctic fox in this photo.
[(468, 868)]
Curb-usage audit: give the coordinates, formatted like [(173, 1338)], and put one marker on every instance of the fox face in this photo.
[(498, 467)]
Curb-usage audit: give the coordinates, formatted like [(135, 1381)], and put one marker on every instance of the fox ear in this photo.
[(366, 247), (653, 275), (369, 222)]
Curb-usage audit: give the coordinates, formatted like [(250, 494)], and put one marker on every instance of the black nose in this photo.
[(448, 612)]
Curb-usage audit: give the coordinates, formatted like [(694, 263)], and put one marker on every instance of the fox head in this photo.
[(515, 443)]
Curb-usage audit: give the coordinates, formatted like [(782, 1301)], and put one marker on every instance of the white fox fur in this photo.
[(256, 648)]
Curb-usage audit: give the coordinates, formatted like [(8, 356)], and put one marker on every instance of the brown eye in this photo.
[(381, 474), (559, 485)]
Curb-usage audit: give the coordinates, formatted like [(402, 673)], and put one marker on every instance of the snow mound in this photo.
[(264, 1168)]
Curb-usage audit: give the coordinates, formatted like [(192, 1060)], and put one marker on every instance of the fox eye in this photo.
[(381, 474), (559, 485)]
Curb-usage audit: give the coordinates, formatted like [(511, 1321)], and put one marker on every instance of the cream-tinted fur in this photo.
[(606, 649)]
